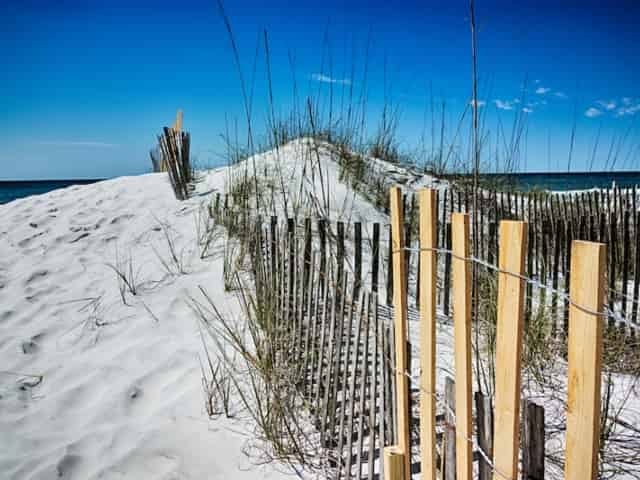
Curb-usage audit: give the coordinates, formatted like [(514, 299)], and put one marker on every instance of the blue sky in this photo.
[(86, 88)]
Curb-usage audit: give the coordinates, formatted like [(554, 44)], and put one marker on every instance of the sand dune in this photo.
[(120, 392)]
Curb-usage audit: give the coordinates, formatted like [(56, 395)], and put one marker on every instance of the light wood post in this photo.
[(400, 322), (428, 271), (513, 239), (461, 269), (588, 261), (177, 126), (394, 461)]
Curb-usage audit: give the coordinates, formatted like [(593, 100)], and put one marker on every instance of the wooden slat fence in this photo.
[(354, 357), (585, 340), (609, 216), (341, 338)]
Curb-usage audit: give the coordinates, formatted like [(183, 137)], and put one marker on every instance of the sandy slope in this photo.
[(121, 394)]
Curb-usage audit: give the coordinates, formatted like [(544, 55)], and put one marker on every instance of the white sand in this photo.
[(121, 393)]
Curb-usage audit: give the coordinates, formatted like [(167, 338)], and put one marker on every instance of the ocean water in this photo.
[(556, 181), (12, 190)]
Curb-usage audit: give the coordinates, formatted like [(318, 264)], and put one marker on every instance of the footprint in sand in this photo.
[(26, 241), (67, 464), (72, 237), (34, 296), (31, 346), (120, 218), (35, 276)]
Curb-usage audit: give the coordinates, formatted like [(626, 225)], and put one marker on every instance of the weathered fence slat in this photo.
[(373, 389), (363, 378), (533, 442), (484, 421), (449, 438), (353, 386)]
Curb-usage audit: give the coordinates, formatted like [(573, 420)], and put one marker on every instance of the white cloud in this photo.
[(542, 90), (527, 110), (560, 94), (481, 103), (319, 77), (607, 105), (503, 104), (66, 143), (628, 110), (592, 112), (626, 100)]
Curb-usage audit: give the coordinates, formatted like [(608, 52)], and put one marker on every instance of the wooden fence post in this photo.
[(484, 422), (513, 237), (427, 296), (462, 332), (449, 438), (394, 462), (533, 442), (585, 360), (400, 322)]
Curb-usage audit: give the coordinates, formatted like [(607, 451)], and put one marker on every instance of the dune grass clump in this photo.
[(174, 263), (127, 276), (256, 358)]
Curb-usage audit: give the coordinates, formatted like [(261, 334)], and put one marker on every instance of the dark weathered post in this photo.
[(484, 421), (375, 258), (449, 437), (533, 442)]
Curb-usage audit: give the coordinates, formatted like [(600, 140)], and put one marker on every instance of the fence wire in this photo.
[(386, 312), (606, 313)]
